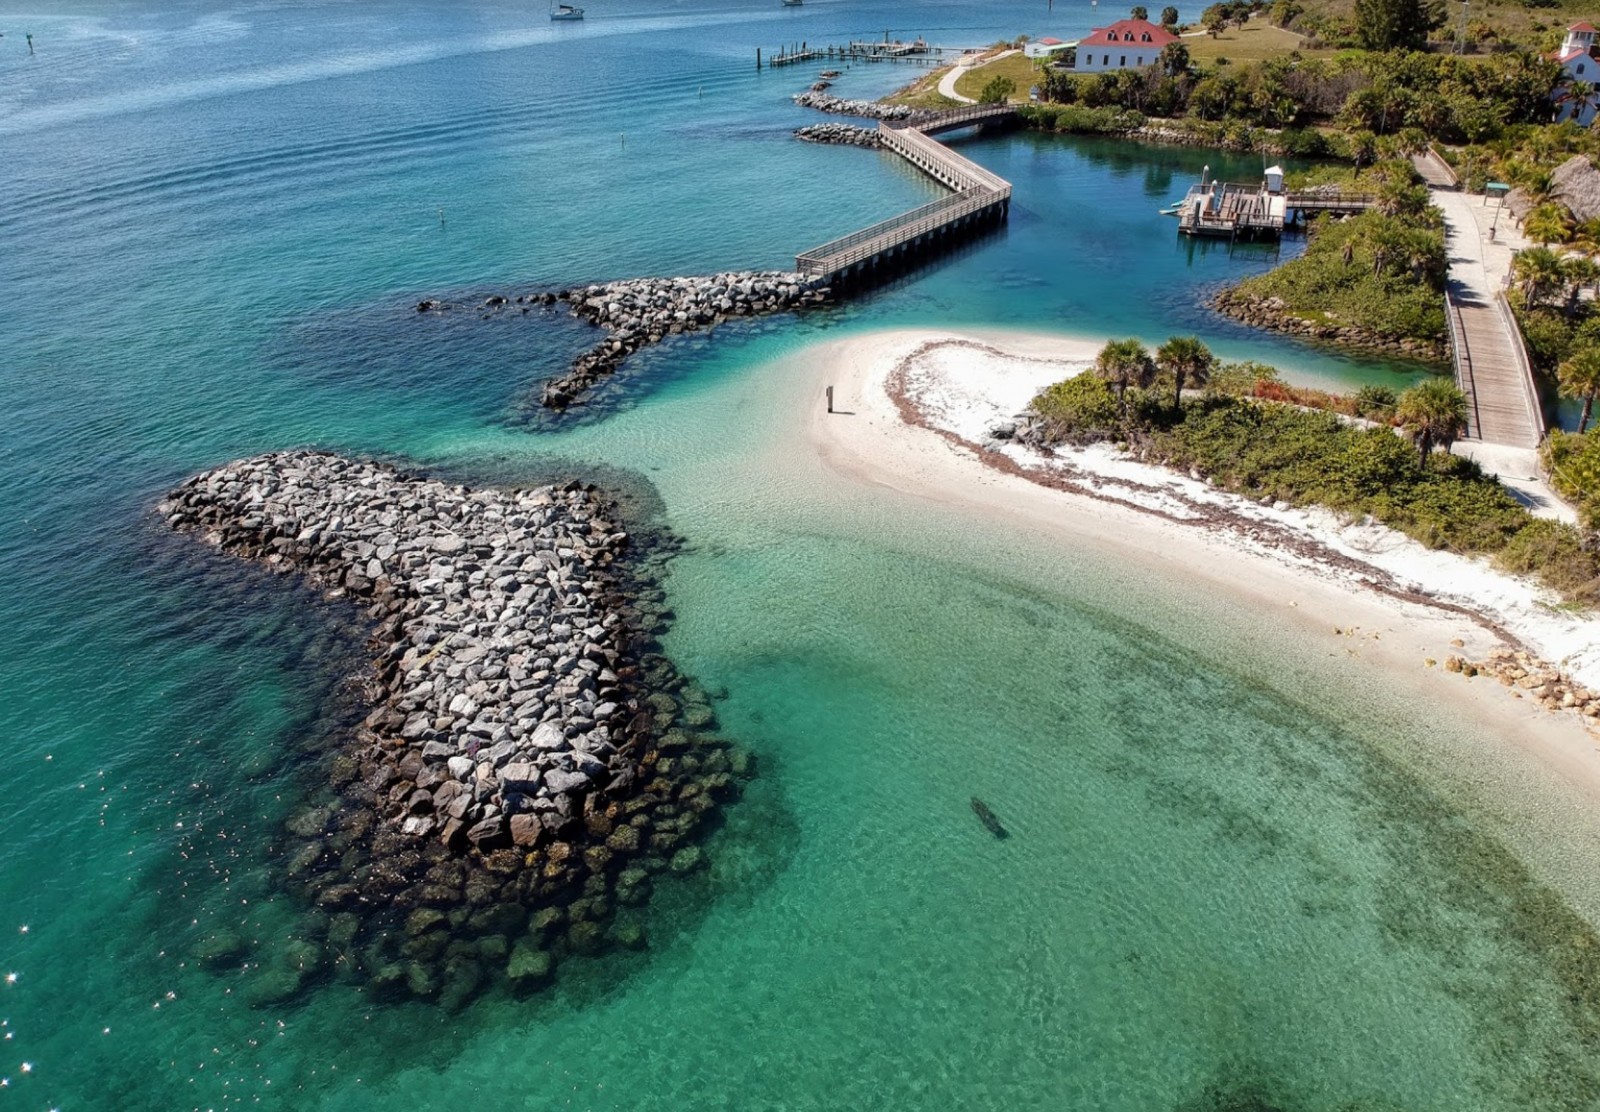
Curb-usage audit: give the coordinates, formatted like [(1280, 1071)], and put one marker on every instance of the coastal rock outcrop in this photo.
[(1536, 679), (637, 312), (643, 311), (528, 762), (867, 109), (1272, 313), (847, 134)]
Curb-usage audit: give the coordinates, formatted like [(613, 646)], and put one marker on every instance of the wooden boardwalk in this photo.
[(979, 197), (1486, 346)]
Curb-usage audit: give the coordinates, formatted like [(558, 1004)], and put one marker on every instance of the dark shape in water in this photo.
[(986, 816)]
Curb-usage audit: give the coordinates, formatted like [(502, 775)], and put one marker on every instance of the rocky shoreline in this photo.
[(637, 312), (529, 763), (1271, 313), (867, 109), (846, 134)]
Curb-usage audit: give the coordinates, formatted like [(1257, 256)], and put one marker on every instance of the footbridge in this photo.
[(979, 199)]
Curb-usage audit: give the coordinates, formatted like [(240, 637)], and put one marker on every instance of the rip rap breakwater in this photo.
[(847, 134), (637, 312), (1274, 314), (530, 764), (867, 109)]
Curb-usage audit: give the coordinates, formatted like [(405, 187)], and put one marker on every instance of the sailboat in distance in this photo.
[(565, 12)]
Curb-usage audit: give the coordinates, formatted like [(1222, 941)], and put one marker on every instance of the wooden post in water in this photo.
[(758, 59)]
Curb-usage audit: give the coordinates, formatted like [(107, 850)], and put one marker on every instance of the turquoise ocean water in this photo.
[(1237, 880)]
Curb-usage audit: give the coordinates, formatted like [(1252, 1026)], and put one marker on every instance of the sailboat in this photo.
[(565, 12), (792, 3)]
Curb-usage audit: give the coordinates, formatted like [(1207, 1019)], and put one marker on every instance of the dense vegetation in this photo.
[(1440, 96), (1383, 270), (1269, 450)]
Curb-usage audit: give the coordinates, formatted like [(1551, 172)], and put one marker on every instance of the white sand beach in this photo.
[(916, 410)]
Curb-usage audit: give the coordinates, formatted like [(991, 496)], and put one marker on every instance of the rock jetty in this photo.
[(867, 109), (637, 312), (528, 764), (1272, 313), (644, 311), (847, 134)]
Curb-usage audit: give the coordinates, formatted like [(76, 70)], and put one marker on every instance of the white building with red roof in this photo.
[(1126, 44), (1045, 47), (1580, 62)]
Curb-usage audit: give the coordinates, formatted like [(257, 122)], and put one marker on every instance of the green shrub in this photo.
[(1392, 283), (1078, 410), (1555, 552), (1376, 403), (1239, 380)]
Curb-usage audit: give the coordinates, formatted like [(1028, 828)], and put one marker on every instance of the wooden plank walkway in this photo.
[(1491, 361), (979, 195)]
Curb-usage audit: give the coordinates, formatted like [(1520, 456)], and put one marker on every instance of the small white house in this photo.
[(1126, 44), (1046, 48), (1580, 61)]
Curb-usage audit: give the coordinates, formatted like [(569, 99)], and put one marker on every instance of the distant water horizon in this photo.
[(1233, 881)]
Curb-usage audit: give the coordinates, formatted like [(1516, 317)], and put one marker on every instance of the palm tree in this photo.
[(1188, 361), (1124, 363), (1433, 413), (1363, 149), (1579, 377), (1578, 271), (1538, 270), (1576, 98), (1549, 223), (1169, 16)]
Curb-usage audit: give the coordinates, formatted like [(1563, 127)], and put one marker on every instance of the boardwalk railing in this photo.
[(1307, 201), (860, 246), (939, 161), (1519, 349), (1461, 356), (978, 193)]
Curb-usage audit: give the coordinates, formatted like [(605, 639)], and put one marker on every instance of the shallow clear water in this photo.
[(1231, 876)]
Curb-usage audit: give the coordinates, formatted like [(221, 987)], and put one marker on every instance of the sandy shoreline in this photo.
[(1363, 588)]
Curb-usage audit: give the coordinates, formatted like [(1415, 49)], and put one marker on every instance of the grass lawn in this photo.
[(1254, 42), (1018, 67), (922, 93)]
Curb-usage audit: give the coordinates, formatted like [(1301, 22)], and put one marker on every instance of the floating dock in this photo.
[(1229, 210)]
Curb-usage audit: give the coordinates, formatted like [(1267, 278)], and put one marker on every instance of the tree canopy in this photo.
[(1397, 24)]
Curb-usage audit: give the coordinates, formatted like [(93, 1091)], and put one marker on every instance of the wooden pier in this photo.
[(896, 50), (1232, 211), (980, 199)]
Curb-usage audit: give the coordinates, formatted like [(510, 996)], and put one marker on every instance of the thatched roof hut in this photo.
[(1576, 184)]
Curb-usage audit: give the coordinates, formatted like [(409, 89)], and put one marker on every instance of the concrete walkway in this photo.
[(947, 83)]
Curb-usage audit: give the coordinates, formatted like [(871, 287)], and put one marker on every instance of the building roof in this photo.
[(1049, 42), (1130, 32), (1582, 27), (1565, 56)]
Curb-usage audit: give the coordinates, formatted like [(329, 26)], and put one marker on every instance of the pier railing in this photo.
[(1307, 201), (861, 246), (1461, 356), (1519, 352), (978, 193)]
